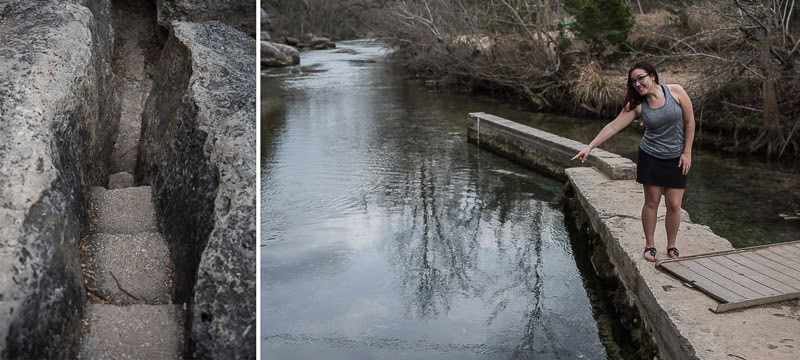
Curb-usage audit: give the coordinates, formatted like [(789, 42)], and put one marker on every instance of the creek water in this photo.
[(385, 235)]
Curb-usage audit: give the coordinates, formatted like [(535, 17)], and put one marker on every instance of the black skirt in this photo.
[(651, 170)]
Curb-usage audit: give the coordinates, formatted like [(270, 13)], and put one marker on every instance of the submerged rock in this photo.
[(320, 43), (56, 120), (198, 152)]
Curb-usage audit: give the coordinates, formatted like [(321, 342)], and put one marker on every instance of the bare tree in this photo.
[(497, 44), (778, 53), (333, 18), (753, 42)]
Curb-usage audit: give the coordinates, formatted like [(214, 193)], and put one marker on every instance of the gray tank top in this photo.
[(664, 130)]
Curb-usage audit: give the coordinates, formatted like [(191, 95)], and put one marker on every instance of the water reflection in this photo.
[(386, 235)]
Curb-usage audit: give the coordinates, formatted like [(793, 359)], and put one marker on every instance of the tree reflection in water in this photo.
[(451, 214)]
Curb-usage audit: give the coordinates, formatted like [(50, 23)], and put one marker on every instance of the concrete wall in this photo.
[(541, 150)]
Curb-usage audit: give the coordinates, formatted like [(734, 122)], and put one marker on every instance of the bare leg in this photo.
[(652, 196), (674, 198)]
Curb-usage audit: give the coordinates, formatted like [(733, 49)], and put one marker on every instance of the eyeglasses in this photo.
[(639, 79)]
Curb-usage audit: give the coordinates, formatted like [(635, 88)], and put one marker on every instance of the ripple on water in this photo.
[(391, 237)]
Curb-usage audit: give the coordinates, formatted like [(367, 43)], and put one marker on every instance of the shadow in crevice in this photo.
[(137, 47)]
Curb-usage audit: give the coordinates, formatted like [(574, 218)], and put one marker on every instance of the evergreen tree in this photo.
[(605, 25)]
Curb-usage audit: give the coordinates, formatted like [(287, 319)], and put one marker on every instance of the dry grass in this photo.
[(658, 18), (598, 91)]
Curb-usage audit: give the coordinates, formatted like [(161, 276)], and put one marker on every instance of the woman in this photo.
[(665, 151)]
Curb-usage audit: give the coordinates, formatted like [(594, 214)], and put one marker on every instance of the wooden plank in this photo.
[(735, 277), (779, 258), (721, 280), (744, 277), (794, 248), (703, 284), (786, 251), (726, 252), (789, 250), (765, 269), (754, 275), (753, 302), (781, 251), (765, 275), (783, 269)]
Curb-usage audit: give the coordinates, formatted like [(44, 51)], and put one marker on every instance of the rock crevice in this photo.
[(60, 116), (198, 152)]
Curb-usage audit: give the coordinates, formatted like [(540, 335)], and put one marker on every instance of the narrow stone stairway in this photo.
[(126, 262), (128, 273)]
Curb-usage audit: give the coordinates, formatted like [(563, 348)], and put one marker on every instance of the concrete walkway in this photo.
[(128, 272), (678, 318)]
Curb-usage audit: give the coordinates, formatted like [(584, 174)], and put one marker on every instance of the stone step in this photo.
[(153, 332), (120, 180), (129, 268), (123, 211)]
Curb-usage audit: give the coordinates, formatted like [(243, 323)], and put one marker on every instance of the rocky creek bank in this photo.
[(60, 118), (285, 50)]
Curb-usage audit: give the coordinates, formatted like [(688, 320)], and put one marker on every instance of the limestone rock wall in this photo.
[(55, 118), (198, 153), (240, 14)]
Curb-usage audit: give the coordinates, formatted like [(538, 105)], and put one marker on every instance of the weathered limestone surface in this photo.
[(198, 154), (679, 317), (120, 180), (240, 14), (540, 149), (123, 211), (135, 52), (57, 117), (153, 332)]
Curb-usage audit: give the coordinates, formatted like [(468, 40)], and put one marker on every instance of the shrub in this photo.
[(605, 25)]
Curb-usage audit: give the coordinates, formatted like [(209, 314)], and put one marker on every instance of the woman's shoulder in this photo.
[(637, 110), (675, 87), (677, 92)]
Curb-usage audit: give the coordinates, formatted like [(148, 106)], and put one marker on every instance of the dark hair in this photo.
[(633, 98)]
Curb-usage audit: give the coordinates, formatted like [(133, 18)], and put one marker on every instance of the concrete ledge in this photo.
[(542, 150), (678, 317)]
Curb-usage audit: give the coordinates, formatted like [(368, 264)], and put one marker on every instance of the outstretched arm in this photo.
[(620, 122), (685, 161)]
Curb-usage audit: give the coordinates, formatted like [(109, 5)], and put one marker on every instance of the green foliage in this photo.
[(605, 25)]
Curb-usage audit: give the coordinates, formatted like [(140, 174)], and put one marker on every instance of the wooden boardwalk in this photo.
[(743, 277)]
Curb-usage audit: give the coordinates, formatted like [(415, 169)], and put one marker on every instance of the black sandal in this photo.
[(673, 250), (652, 252)]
